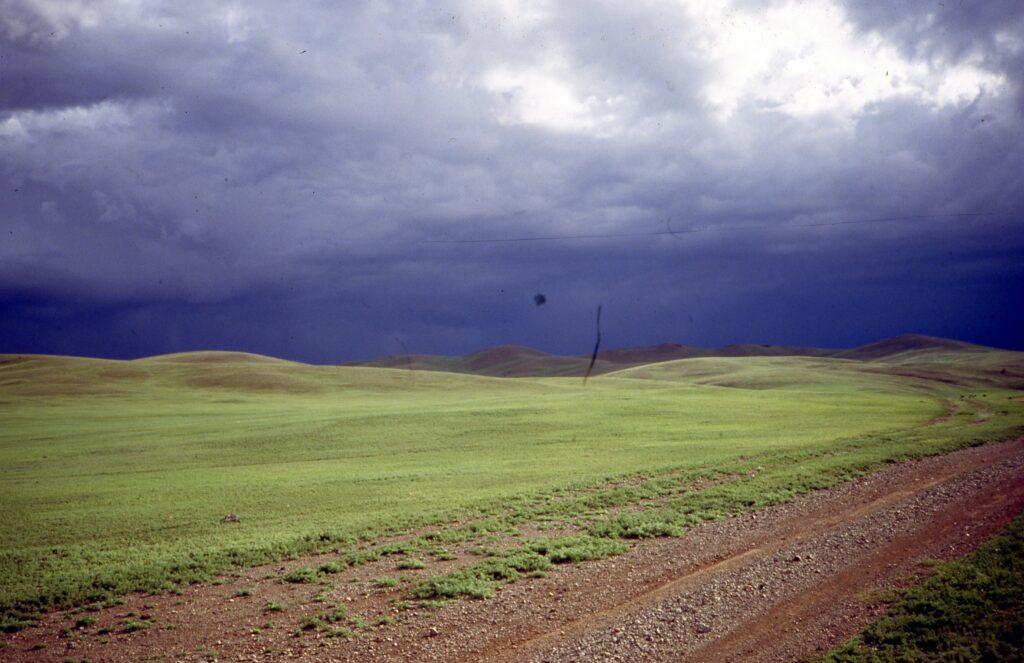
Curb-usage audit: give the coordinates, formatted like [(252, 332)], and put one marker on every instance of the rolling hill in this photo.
[(157, 450), (519, 361)]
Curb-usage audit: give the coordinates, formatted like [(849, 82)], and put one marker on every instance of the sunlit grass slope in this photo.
[(118, 474)]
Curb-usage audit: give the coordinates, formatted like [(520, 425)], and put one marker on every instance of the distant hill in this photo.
[(915, 356), (907, 343), (653, 353), (753, 350), (519, 361), (501, 361)]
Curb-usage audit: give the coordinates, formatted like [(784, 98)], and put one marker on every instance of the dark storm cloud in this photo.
[(190, 175)]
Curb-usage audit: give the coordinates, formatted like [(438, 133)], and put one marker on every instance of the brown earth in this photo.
[(785, 583)]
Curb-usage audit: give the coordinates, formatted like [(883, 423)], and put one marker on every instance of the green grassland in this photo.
[(117, 476)]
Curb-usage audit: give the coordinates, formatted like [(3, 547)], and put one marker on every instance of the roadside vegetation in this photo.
[(971, 609), (146, 475)]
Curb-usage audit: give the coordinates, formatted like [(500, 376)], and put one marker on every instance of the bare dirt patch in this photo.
[(781, 584)]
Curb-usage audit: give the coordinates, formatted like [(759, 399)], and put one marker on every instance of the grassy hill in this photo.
[(116, 475), (501, 361), (518, 361), (908, 344)]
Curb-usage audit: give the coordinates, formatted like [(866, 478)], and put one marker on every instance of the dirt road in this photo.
[(783, 584)]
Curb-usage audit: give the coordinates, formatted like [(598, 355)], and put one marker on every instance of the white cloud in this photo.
[(806, 59), (546, 97)]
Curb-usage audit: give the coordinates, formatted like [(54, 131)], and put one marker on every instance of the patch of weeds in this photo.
[(471, 531), (874, 598), (37, 646), (360, 557), (303, 574), (14, 623), (340, 633), (311, 623), (443, 554), (479, 581), (402, 605), (211, 655), (133, 625), (526, 561), (85, 622), (452, 585), (330, 567), (384, 583), (383, 621), (339, 613), (577, 548), (274, 607), (536, 574), (358, 622), (321, 594), (247, 591), (636, 526), (400, 548), (431, 605), (412, 563)]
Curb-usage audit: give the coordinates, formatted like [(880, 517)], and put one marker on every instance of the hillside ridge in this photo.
[(522, 361)]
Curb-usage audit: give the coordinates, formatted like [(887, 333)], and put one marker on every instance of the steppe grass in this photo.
[(118, 476), (971, 609)]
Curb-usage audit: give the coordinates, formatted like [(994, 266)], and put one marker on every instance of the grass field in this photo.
[(117, 476)]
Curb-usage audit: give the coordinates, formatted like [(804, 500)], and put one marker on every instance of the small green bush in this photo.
[(636, 526), (303, 574), (452, 585), (339, 613), (578, 548)]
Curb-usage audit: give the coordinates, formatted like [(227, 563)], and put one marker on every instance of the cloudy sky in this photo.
[(328, 181)]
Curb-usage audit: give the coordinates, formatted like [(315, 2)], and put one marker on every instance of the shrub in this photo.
[(578, 548), (302, 574)]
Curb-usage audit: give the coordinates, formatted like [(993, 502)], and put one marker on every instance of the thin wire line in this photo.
[(701, 229)]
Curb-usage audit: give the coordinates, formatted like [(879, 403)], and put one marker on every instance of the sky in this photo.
[(334, 181)]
